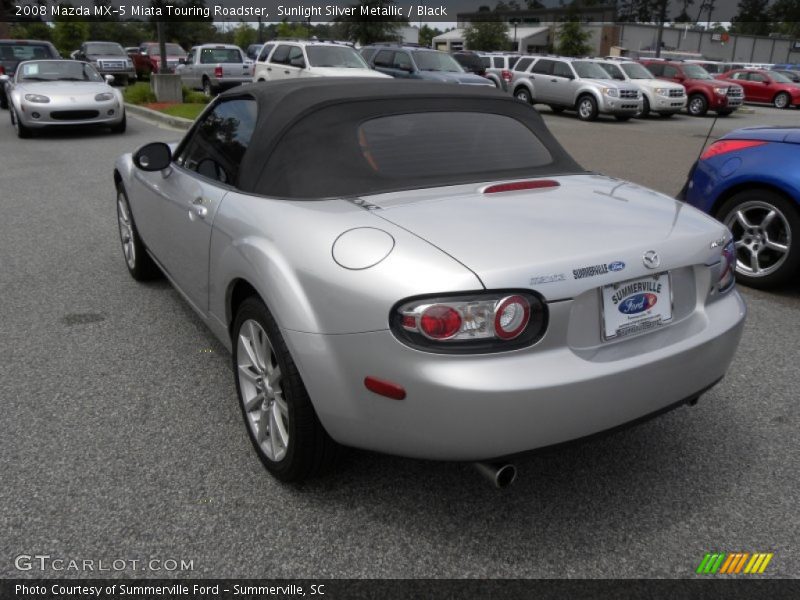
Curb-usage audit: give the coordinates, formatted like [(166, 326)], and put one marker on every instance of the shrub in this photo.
[(195, 98), (139, 93)]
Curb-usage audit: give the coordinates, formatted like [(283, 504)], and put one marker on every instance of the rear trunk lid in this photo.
[(587, 231)]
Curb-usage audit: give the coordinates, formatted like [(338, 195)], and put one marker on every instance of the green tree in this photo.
[(367, 30), (752, 18), (244, 35), (69, 32), (426, 35), (572, 39), (786, 17), (292, 30), (487, 35), (5, 9), (31, 30)]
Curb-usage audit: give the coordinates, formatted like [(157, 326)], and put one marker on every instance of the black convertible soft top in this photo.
[(315, 138)]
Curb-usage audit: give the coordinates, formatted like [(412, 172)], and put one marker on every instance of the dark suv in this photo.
[(471, 62), (416, 62), (13, 52), (705, 93)]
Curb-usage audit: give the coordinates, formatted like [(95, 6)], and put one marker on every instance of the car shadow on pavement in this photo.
[(627, 480)]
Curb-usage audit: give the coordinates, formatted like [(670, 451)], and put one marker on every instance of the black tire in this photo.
[(140, 265), (122, 125), (310, 451), (697, 106), (623, 118), (645, 108), (523, 94), (557, 109), (587, 108), (782, 100), (22, 131), (209, 90), (783, 228)]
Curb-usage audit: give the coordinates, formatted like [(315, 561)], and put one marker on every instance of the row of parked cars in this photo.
[(666, 87)]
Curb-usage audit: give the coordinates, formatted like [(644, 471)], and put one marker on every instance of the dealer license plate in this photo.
[(636, 305)]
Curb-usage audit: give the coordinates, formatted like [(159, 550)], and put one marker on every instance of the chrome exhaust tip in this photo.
[(501, 475)]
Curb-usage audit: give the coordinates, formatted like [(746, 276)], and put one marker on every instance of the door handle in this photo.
[(198, 208), (287, 72), (554, 81), (269, 68)]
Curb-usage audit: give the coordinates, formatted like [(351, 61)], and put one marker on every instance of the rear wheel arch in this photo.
[(238, 291), (741, 187)]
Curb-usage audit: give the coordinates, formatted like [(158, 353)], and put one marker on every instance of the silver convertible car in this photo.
[(58, 93), (422, 270)]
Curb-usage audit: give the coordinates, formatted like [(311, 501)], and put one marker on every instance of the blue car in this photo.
[(750, 180)]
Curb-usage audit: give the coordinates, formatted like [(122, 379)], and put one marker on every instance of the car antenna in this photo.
[(703, 147)]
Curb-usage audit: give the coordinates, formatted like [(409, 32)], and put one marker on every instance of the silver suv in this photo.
[(574, 84), (663, 97), (498, 67)]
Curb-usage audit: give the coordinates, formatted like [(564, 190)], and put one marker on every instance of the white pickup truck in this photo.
[(215, 67)]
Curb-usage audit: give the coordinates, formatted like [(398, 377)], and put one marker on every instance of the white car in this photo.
[(289, 60), (58, 93), (663, 97)]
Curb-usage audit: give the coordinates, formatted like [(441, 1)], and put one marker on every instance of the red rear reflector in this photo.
[(521, 185), (725, 146), (511, 317), (218, 72), (506, 75), (385, 388)]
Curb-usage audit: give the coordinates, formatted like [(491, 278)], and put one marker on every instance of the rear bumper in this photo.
[(229, 82), (461, 407)]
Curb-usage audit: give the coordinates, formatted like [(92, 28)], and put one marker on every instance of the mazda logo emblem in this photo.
[(651, 259)]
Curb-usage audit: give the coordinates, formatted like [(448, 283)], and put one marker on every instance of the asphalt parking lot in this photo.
[(121, 437)]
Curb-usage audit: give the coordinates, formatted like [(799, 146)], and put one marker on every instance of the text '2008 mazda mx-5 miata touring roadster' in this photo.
[(422, 270)]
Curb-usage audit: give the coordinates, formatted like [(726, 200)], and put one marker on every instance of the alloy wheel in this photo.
[(260, 382), (126, 231), (763, 237)]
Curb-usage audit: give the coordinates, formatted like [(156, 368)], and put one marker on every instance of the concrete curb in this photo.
[(154, 115)]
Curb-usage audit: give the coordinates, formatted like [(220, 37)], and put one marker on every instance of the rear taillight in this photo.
[(2, 70), (218, 72), (479, 322), (506, 75), (727, 274), (727, 146)]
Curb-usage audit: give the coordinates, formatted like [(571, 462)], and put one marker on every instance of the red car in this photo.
[(174, 54), (705, 93), (765, 86)]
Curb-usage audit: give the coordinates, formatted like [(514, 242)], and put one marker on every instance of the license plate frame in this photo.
[(647, 301)]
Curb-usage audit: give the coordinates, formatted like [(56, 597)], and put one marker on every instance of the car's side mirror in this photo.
[(181, 61), (109, 79), (155, 156), (298, 62), (406, 68)]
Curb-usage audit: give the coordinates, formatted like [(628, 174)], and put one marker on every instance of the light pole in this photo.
[(515, 22)]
